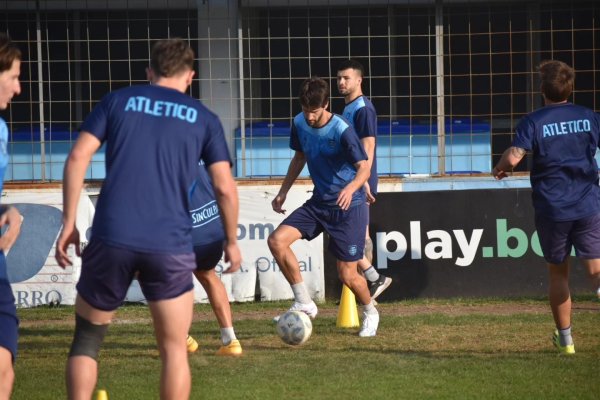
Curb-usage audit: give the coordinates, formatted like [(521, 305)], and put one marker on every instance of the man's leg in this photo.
[(593, 268), (350, 277), (279, 243), (9, 332), (7, 373), (82, 370), (560, 303), (376, 282), (559, 294), (217, 296), (172, 320)]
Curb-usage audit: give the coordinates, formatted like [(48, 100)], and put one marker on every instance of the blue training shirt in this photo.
[(3, 151), (564, 138), (3, 165), (155, 137), (363, 117), (331, 152), (204, 211)]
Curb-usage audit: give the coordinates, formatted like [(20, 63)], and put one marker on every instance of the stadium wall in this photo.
[(453, 237)]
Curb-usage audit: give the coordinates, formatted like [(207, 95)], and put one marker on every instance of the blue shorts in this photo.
[(557, 238), (208, 255), (345, 228), (107, 272), (9, 323)]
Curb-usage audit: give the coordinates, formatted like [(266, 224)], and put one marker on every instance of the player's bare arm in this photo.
[(369, 145), (228, 201), (10, 216), (510, 159), (296, 165), (75, 166), (362, 174)]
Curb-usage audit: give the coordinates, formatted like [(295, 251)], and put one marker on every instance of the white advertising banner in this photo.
[(36, 278), (257, 220)]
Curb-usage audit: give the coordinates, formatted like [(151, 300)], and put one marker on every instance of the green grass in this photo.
[(435, 349)]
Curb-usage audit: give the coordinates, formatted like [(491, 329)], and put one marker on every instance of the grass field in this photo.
[(442, 349)]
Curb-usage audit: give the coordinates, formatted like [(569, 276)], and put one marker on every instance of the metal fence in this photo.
[(449, 80)]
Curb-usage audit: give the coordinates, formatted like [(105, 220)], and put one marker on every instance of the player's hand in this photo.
[(370, 197), (67, 237), (277, 203), (233, 256), (13, 219), (345, 198), (498, 174)]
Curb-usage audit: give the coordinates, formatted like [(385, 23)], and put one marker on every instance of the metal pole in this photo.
[(41, 90), (439, 63), (242, 106)]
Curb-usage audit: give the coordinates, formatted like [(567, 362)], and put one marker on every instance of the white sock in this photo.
[(301, 293), (565, 336), (370, 308), (227, 335), (371, 274)]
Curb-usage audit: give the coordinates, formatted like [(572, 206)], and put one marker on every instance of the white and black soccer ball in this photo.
[(294, 327)]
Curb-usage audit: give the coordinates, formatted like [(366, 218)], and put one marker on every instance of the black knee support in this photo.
[(87, 339)]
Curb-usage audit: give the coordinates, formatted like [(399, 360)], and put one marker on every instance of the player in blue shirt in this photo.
[(208, 237), (155, 136), (359, 111), (338, 167), (10, 69), (563, 139)]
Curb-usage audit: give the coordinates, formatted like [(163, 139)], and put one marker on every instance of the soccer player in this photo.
[(338, 166), (360, 112), (155, 136), (563, 138), (208, 236), (10, 69)]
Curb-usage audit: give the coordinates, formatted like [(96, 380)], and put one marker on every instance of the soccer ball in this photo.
[(294, 327)]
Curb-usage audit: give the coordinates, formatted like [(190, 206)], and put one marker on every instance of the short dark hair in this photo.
[(314, 93), (9, 52), (353, 64), (557, 79), (170, 57)]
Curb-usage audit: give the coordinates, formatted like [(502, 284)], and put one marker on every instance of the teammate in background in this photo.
[(563, 138), (155, 136), (360, 112), (208, 237), (338, 166), (10, 69)]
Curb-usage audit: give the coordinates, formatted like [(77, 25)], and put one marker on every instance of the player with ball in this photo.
[(338, 166)]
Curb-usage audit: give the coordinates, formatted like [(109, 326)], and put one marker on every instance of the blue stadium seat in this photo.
[(24, 148), (404, 147)]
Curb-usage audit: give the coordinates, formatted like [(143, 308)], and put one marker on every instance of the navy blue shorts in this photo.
[(208, 255), (345, 228), (9, 323), (107, 272), (557, 238)]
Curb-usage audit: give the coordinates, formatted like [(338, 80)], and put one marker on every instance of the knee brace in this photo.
[(87, 339)]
